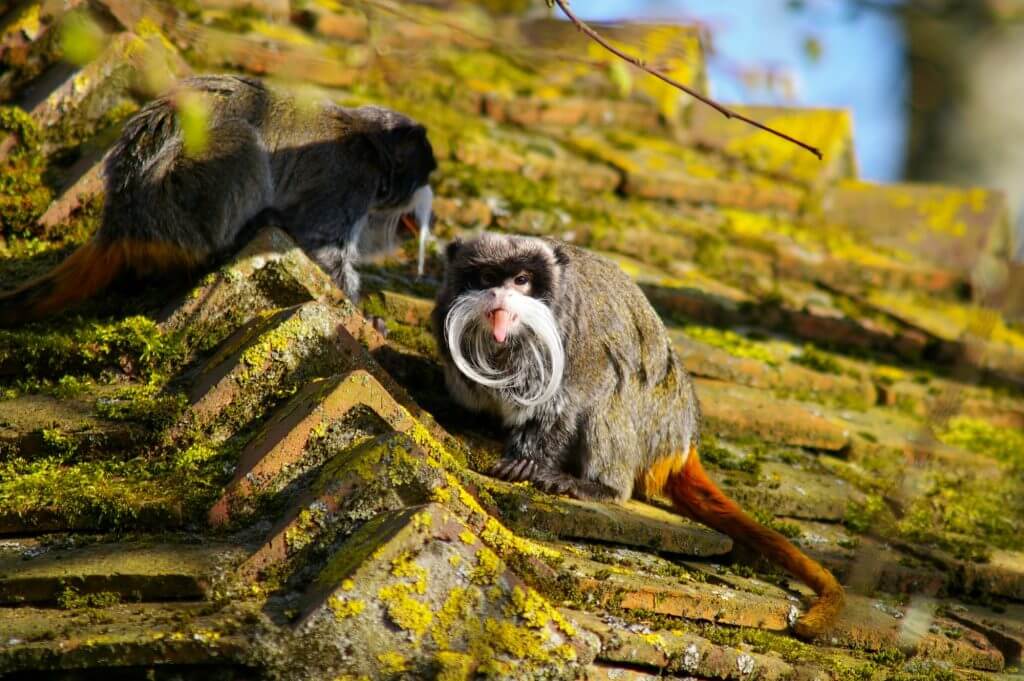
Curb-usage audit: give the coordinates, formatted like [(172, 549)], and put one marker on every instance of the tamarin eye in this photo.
[(522, 279)]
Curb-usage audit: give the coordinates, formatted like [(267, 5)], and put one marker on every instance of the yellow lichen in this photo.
[(405, 611), (404, 566), (456, 613), (393, 662), (488, 567), (537, 611), (343, 608), (422, 520), (454, 666)]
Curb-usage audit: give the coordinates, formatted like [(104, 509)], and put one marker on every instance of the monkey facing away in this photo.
[(566, 349), (334, 172)]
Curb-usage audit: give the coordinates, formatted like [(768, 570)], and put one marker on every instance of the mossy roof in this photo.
[(860, 396)]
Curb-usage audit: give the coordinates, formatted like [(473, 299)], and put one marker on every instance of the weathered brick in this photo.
[(137, 572), (270, 272), (676, 652), (416, 588), (42, 642), (258, 363), (831, 130), (632, 589), (384, 474), (735, 411), (874, 624), (25, 421), (950, 227), (282, 442), (635, 524)]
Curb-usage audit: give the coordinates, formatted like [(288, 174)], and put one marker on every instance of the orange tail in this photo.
[(695, 495), (87, 271)]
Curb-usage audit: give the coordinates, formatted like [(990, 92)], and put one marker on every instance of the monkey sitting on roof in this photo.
[(333, 172), (565, 348)]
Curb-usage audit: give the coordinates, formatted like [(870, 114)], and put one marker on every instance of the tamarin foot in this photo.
[(551, 480), (822, 613), (529, 470), (514, 470)]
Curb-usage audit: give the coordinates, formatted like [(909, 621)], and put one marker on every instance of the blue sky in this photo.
[(860, 66)]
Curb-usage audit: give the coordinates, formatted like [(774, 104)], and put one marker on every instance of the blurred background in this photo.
[(928, 82), (854, 325)]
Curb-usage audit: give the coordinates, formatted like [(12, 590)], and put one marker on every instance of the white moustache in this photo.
[(534, 379)]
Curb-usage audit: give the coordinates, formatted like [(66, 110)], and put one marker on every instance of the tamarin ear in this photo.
[(452, 249), (561, 256)]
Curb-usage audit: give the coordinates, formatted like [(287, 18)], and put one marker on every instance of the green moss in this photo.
[(71, 599), (238, 19), (23, 193), (70, 132), (413, 337), (818, 360), (58, 444), (768, 519), (965, 516), (166, 488), (975, 435), (68, 387), (732, 342), (133, 345), (712, 452), (144, 404), (888, 656), (862, 517)]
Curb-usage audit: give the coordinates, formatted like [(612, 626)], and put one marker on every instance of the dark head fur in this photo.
[(404, 150)]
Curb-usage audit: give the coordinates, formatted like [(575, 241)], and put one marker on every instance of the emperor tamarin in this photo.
[(331, 172), (565, 348)]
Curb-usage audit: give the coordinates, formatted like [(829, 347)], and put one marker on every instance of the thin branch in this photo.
[(725, 111)]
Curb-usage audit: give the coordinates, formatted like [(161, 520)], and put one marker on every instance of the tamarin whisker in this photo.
[(565, 348)]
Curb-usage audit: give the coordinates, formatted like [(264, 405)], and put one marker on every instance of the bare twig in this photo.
[(639, 63)]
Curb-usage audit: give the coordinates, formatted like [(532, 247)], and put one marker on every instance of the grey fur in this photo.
[(625, 399), (330, 170)]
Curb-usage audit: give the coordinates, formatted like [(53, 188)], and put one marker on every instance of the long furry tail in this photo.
[(86, 272), (694, 494)]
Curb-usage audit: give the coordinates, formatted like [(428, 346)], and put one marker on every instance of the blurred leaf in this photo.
[(194, 121), (813, 49), (81, 39), (621, 77)]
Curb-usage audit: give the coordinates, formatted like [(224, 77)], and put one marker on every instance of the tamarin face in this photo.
[(499, 326), (407, 160)]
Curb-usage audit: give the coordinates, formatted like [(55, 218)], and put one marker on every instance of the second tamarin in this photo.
[(565, 348), (336, 175)]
